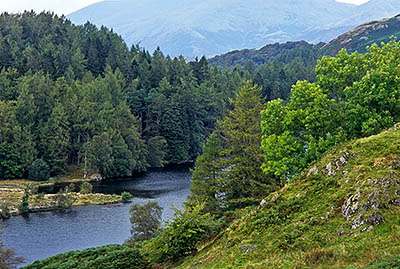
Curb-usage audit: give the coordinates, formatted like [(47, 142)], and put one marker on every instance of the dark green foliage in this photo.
[(182, 235), (23, 207), (354, 96), (145, 220), (86, 188), (39, 170), (228, 174), (5, 212), (112, 256), (126, 196), (75, 95), (64, 198), (10, 164)]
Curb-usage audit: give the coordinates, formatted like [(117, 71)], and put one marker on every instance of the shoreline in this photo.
[(12, 192)]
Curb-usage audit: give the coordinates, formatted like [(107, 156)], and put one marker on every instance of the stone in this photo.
[(247, 249), (313, 171), (358, 222), (395, 202), (374, 200), (375, 219), (330, 170), (398, 192), (332, 167), (351, 206), (96, 177), (262, 203)]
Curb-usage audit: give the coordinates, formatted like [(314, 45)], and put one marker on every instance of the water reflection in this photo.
[(45, 234)]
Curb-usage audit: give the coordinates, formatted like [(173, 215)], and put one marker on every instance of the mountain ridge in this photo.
[(198, 28)]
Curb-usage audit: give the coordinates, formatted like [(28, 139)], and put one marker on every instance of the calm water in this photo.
[(42, 235)]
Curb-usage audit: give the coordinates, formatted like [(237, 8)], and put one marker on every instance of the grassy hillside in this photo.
[(343, 211)]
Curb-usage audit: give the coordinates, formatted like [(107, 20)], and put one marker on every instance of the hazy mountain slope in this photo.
[(209, 27), (364, 35), (343, 211)]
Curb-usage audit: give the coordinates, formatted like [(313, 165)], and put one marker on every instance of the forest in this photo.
[(77, 95)]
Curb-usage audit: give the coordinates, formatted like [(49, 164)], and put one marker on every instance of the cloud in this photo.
[(357, 2)]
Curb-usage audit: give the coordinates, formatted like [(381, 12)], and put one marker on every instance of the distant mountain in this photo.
[(208, 27), (265, 54), (365, 35)]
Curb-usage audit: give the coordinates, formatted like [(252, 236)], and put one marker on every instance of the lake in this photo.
[(46, 234)]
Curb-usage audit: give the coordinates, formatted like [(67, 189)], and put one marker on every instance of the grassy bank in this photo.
[(12, 192)]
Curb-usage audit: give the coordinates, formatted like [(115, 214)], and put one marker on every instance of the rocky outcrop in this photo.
[(333, 167), (363, 208)]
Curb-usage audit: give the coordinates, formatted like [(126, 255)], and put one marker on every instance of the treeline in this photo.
[(258, 147), (275, 67), (77, 95)]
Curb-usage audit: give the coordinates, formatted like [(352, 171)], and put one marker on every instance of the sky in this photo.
[(57, 6), (68, 6)]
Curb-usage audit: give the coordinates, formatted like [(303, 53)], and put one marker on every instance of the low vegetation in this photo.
[(343, 211), (113, 256)]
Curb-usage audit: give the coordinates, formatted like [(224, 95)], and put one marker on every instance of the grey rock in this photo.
[(374, 200), (313, 171), (358, 222), (351, 206), (329, 168), (375, 219), (247, 249), (395, 202), (333, 167), (398, 192)]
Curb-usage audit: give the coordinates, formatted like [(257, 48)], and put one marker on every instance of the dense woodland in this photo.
[(77, 95)]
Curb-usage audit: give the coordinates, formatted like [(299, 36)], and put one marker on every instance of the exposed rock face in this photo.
[(358, 206), (333, 167)]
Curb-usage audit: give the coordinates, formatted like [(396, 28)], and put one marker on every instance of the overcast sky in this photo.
[(67, 6)]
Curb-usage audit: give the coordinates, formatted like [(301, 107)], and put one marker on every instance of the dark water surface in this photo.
[(46, 234)]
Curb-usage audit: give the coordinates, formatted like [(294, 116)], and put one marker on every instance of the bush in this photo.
[(181, 237), (39, 170), (23, 207), (126, 196), (5, 212), (112, 256), (145, 220), (86, 188), (64, 198)]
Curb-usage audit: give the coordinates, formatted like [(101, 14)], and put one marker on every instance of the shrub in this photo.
[(39, 170), (112, 256), (23, 207), (145, 220), (181, 237), (5, 212), (86, 188), (64, 198), (126, 196)]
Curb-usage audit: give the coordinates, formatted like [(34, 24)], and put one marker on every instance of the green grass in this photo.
[(302, 226)]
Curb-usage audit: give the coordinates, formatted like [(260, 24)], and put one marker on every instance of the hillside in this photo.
[(364, 35), (344, 210), (263, 55)]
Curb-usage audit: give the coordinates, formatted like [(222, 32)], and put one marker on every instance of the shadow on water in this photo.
[(45, 234)]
